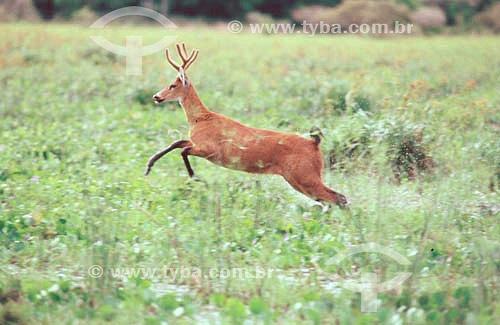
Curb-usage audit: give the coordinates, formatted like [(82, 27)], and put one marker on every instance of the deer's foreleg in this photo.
[(185, 153), (158, 155), (193, 151)]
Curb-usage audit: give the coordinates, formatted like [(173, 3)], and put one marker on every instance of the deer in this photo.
[(228, 143)]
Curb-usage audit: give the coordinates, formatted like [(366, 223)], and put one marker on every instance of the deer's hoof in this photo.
[(342, 201)]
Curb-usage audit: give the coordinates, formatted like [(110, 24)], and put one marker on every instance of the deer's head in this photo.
[(179, 88)]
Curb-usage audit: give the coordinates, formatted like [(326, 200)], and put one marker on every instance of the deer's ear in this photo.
[(184, 79)]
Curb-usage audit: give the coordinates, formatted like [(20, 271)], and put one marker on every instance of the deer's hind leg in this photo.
[(324, 193), (313, 187)]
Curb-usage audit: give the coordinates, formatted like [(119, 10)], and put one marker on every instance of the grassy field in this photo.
[(412, 138)]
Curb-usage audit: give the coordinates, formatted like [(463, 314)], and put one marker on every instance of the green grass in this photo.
[(76, 134)]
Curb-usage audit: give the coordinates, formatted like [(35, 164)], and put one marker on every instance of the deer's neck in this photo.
[(193, 107)]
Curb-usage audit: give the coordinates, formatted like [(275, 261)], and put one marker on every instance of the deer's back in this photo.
[(233, 145)]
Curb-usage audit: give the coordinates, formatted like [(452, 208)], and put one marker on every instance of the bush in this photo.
[(256, 17), (408, 152), (428, 17), (307, 13), (144, 96), (342, 100), (64, 8), (18, 9), (84, 15), (459, 12), (490, 18), (407, 147), (105, 6), (364, 12)]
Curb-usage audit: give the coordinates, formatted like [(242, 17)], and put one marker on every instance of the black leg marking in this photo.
[(158, 155), (185, 153)]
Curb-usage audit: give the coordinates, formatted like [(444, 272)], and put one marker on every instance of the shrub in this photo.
[(428, 17), (105, 6), (341, 100), (143, 96), (497, 174), (63, 8), (353, 141), (459, 12), (408, 152), (256, 17), (18, 9), (84, 15), (490, 18), (364, 12), (307, 13), (98, 55), (351, 149), (407, 147)]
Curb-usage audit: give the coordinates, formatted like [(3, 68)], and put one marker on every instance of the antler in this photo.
[(186, 61)]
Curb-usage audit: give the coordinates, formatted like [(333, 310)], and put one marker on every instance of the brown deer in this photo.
[(233, 145)]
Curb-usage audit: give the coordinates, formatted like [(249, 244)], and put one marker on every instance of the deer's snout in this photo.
[(157, 98)]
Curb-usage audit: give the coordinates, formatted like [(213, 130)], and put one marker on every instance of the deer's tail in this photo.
[(316, 134)]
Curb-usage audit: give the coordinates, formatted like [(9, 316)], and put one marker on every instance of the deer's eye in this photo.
[(172, 86)]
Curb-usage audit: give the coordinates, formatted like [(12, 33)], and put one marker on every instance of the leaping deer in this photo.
[(233, 145)]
